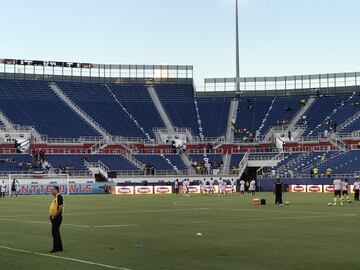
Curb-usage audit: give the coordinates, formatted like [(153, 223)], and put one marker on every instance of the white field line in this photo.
[(69, 225), (43, 222), (115, 212), (114, 226), (280, 211), (274, 218), (64, 258)]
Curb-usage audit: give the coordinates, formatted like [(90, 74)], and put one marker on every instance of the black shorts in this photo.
[(344, 192), (337, 192)]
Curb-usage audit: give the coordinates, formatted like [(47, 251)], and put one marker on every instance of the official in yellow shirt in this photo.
[(55, 212)]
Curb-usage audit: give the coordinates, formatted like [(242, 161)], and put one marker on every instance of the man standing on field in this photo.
[(356, 188), (55, 212), (278, 191), (337, 191)]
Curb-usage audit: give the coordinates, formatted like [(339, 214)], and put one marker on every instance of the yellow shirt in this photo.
[(53, 207)]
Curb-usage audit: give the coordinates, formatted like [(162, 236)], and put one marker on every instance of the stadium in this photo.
[(151, 167)]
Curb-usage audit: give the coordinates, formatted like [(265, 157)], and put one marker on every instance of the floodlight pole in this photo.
[(237, 50)]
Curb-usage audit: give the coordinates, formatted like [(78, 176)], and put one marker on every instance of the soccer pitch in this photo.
[(160, 232)]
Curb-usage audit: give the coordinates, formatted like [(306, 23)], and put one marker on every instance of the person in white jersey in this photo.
[(242, 187), (356, 188), (211, 189), (3, 189), (252, 187), (220, 184), (233, 185), (337, 190), (185, 188), (345, 190), (203, 186), (224, 187)]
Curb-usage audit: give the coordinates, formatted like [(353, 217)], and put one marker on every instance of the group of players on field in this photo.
[(225, 186), (341, 190)]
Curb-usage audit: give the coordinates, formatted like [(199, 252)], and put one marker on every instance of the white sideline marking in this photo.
[(113, 226), (64, 258), (276, 218), (289, 218), (115, 212), (43, 222), (281, 211), (70, 225)]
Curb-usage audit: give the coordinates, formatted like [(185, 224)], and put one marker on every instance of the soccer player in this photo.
[(202, 186), (185, 187), (224, 187), (278, 191), (211, 182), (17, 188), (242, 187), (345, 190), (3, 189), (233, 185), (252, 187), (221, 186), (337, 190), (356, 188), (176, 186)]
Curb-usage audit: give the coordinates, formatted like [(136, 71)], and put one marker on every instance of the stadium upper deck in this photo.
[(104, 105)]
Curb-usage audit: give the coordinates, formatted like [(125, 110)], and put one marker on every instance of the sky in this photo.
[(277, 37)]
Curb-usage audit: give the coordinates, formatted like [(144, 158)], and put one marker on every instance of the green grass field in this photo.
[(159, 232)]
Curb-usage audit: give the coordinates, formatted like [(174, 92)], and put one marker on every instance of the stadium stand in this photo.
[(127, 110), (96, 100), (214, 113), (179, 103), (32, 103)]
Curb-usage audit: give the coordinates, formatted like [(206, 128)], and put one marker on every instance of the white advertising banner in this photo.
[(123, 190), (163, 189), (144, 190), (314, 188), (297, 188), (328, 188)]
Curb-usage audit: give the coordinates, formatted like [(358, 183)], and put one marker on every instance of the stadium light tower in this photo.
[(237, 49)]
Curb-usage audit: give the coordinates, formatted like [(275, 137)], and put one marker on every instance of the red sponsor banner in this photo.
[(163, 189), (144, 190), (328, 188), (314, 188), (123, 190), (297, 188)]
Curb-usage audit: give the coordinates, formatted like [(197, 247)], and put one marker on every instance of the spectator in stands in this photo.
[(233, 123), (235, 169), (273, 172), (302, 101), (328, 171), (173, 147), (303, 120), (289, 135), (315, 171), (358, 145), (334, 126)]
